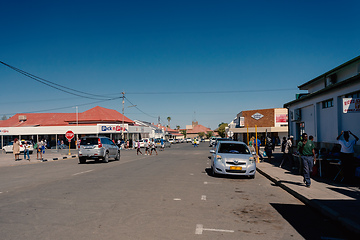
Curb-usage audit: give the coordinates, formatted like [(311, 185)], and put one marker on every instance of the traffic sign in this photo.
[(69, 135)]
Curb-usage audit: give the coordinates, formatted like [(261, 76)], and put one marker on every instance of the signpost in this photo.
[(69, 135)]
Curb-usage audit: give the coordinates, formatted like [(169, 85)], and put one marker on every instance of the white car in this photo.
[(232, 158), (172, 141), (9, 148), (188, 140), (142, 142)]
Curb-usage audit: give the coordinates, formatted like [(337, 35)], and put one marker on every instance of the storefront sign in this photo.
[(351, 105), (281, 118), (3, 131), (257, 116), (112, 128)]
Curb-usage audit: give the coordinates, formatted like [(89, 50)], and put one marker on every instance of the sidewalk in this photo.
[(335, 200), (49, 156)]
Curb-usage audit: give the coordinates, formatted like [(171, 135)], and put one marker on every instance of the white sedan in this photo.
[(9, 148), (232, 158)]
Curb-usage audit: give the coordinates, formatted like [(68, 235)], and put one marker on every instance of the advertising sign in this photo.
[(351, 105), (281, 118), (242, 121), (112, 128), (257, 116)]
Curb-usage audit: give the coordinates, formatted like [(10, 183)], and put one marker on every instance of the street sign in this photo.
[(69, 135)]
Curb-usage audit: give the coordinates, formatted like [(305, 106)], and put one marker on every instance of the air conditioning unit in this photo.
[(295, 115)]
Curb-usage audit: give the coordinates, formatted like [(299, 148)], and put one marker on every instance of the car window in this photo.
[(233, 148), (89, 141)]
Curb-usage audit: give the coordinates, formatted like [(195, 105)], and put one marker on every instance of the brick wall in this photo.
[(267, 121)]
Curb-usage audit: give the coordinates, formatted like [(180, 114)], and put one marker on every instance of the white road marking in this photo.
[(191, 174), (205, 182), (82, 172), (200, 228), (177, 199), (203, 197)]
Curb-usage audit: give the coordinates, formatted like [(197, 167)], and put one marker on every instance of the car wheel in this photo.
[(106, 158), (214, 174), (82, 160), (117, 158), (252, 176)]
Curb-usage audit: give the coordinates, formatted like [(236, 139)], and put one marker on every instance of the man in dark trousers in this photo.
[(306, 149)]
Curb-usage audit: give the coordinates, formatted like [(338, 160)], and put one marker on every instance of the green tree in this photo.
[(169, 119), (183, 132), (4, 117), (209, 134), (201, 134), (221, 129), (177, 127)]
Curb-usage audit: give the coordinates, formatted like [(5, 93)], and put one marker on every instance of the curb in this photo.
[(326, 211)]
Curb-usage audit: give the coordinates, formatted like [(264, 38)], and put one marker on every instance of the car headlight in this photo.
[(251, 159), (218, 158)]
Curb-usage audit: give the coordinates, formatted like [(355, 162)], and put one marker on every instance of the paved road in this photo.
[(168, 196)]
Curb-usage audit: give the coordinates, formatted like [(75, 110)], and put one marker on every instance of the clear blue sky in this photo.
[(203, 60)]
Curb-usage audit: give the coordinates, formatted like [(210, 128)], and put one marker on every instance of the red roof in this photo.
[(198, 128), (92, 116)]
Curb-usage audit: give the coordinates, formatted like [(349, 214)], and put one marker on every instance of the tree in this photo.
[(183, 132), (201, 134), (177, 127), (169, 119), (209, 134), (4, 117), (221, 129)]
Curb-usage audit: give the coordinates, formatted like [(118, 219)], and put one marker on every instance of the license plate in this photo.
[(235, 168)]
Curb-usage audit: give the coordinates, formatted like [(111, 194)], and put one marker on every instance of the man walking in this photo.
[(306, 149)]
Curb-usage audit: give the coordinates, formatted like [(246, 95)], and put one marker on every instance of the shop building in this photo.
[(53, 126), (331, 105), (272, 122)]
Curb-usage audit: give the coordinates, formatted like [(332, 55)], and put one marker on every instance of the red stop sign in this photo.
[(69, 135)]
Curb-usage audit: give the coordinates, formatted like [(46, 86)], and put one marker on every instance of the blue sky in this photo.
[(203, 60)]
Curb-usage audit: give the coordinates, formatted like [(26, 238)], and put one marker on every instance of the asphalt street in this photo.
[(167, 196)]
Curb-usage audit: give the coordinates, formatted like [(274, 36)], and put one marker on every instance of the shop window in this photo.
[(328, 103)]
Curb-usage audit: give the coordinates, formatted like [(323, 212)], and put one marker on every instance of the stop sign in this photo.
[(69, 135)]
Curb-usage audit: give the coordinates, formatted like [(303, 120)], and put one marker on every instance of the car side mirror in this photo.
[(253, 153), (212, 151)]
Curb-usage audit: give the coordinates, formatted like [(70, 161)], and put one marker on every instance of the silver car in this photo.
[(232, 158), (97, 148)]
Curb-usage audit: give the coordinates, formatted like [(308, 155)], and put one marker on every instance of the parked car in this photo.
[(98, 148), (142, 142), (232, 158), (212, 141), (188, 140), (9, 147), (221, 139), (172, 141), (158, 143)]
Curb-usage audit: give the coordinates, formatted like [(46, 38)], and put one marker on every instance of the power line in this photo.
[(55, 85)]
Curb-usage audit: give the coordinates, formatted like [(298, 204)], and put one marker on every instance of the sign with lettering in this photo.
[(257, 116), (351, 105)]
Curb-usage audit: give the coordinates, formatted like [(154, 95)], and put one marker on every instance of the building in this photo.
[(193, 130), (331, 105), (271, 121), (53, 126)]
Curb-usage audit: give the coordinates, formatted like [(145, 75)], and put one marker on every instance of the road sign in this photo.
[(69, 135)]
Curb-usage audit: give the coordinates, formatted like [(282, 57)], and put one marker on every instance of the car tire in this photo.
[(252, 176), (117, 157), (82, 160), (106, 158), (213, 173)]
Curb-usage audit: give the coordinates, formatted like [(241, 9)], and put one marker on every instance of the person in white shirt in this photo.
[(347, 154)]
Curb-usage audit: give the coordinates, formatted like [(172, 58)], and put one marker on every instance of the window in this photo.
[(353, 95), (234, 148), (327, 104)]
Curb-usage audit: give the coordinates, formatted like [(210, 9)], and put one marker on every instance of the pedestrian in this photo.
[(146, 145), (306, 150), (162, 144), (59, 143), (153, 147), (347, 154), (288, 152), (39, 150), (26, 150), (119, 143), (283, 145), (16, 149), (195, 142), (251, 144), (138, 148), (43, 146), (269, 147)]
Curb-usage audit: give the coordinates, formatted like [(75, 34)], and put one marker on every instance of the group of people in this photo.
[(255, 147), (150, 146), (39, 147)]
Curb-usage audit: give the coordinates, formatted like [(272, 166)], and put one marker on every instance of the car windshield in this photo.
[(89, 141), (234, 148)]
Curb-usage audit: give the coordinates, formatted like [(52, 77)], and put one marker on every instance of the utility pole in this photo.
[(123, 112)]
